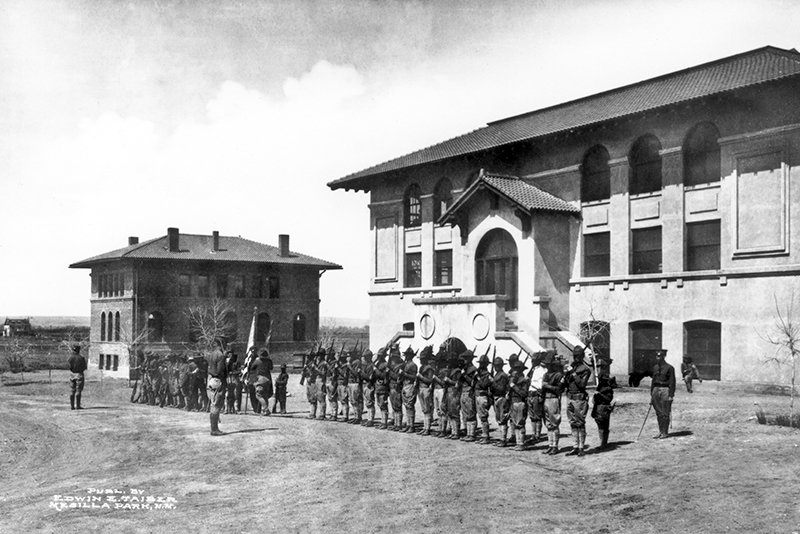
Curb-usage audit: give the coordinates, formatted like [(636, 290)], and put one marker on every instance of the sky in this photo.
[(122, 118)]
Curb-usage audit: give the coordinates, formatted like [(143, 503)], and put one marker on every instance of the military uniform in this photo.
[(310, 376), (409, 378), (215, 389), (662, 391), (368, 386), (602, 408), (453, 398), (440, 394), (689, 372), (382, 387), (261, 371), (577, 399), (536, 398), (77, 367), (483, 402), (553, 386), (354, 391), (331, 386), (234, 393), (396, 390), (468, 377), (426, 387), (323, 369), (281, 384), (518, 396), (499, 389)]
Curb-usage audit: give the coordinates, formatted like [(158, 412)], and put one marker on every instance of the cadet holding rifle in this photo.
[(576, 379), (321, 384), (342, 380), (499, 390), (453, 397), (483, 397), (309, 375), (536, 396), (382, 387), (553, 386), (468, 378), (331, 384), (354, 387), (518, 395), (441, 392), (396, 387), (425, 378), (409, 391)]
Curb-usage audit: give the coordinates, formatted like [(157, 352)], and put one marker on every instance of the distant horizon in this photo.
[(84, 320)]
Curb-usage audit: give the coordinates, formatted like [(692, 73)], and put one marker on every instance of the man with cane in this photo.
[(662, 391)]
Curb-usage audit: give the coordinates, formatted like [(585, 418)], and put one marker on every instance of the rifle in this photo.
[(303, 372)]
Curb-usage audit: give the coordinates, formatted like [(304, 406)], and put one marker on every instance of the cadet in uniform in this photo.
[(602, 408), (310, 377), (281, 385), (662, 391), (453, 397), (321, 382), (483, 403), (468, 378), (216, 387), (77, 366), (536, 397), (368, 386), (426, 385), (382, 387), (553, 386), (234, 397), (409, 391), (576, 380), (689, 372), (342, 378), (440, 393), (499, 388), (261, 371), (331, 385), (354, 391), (396, 388), (518, 396)]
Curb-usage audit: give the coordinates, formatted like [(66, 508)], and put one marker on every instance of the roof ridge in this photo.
[(785, 53)]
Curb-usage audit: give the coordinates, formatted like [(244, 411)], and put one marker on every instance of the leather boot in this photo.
[(346, 414), (411, 416), (455, 430), (604, 438), (537, 431), (555, 442), (370, 417), (504, 439), (215, 431), (312, 412), (520, 440), (72, 402), (575, 442), (485, 437), (471, 427), (581, 441), (78, 402)]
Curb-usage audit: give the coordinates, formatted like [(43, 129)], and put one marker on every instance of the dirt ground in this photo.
[(719, 472)]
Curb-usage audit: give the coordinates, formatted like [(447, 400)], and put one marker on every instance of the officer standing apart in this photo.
[(578, 400), (217, 371), (77, 366), (662, 391)]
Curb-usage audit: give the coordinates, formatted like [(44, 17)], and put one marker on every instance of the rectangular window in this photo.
[(702, 246), (202, 285), (597, 254), (413, 269), (646, 250), (102, 361), (108, 362), (274, 287), (184, 285), (116, 362), (238, 286), (222, 286), (258, 286), (444, 267)]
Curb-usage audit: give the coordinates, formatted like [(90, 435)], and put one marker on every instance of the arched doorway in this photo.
[(496, 267)]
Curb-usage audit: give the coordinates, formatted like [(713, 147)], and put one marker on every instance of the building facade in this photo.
[(153, 296), (663, 214)]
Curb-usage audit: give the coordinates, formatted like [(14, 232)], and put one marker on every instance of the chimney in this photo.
[(283, 244), (215, 235), (133, 240), (174, 241)]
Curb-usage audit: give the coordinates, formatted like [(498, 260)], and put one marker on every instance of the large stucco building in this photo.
[(147, 292), (659, 214)]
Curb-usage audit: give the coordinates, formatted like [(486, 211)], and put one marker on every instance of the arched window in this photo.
[(702, 343), (155, 326), (645, 341), (299, 327), (701, 156), (263, 323), (496, 266), (110, 327), (413, 206), (442, 198), (596, 175), (103, 326), (116, 326), (645, 163)]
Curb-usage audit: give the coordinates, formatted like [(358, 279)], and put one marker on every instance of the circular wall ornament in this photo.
[(480, 326), (427, 326)]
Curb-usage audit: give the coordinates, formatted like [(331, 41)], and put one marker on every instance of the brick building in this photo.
[(146, 291), (658, 214)]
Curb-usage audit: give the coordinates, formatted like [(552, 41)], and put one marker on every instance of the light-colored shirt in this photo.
[(537, 377)]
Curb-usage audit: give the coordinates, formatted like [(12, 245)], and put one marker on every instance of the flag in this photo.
[(251, 339)]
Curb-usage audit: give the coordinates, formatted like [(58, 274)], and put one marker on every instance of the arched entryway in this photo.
[(496, 267)]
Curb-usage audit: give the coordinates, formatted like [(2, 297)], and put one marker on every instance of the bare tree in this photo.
[(212, 324), (74, 338), (785, 337), (16, 353), (591, 333)]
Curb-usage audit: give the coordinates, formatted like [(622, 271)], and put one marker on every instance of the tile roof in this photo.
[(199, 248), (517, 191), (735, 72)]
